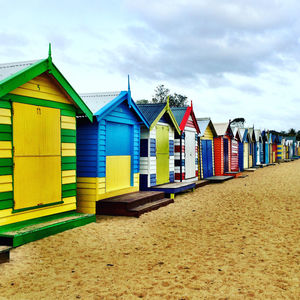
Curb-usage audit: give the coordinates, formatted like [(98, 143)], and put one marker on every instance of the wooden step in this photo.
[(4, 254), (201, 183), (130, 204), (123, 203), (137, 211)]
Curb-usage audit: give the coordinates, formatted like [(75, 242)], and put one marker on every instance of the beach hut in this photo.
[(284, 152), (258, 147), (222, 148), (186, 144), (251, 147), (274, 147), (279, 149), (157, 164), (265, 137), (37, 151), (239, 137), (270, 135), (290, 141), (234, 166), (108, 151), (245, 134), (206, 148)]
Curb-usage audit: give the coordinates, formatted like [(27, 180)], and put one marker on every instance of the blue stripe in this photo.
[(171, 147), (152, 147), (171, 176), (152, 179)]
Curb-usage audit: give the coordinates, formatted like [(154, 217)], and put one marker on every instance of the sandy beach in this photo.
[(236, 240)]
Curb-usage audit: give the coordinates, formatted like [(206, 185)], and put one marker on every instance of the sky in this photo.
[(233, 59)]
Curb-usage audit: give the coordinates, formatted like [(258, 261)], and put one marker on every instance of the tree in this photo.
[(142, 101), (298, 135), (238, 122), (161, 94), (292, 132), (177, 100)]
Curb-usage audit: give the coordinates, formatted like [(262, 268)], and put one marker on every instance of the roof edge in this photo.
[(19, 78)]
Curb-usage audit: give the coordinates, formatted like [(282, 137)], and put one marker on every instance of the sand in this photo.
[(236, 240)]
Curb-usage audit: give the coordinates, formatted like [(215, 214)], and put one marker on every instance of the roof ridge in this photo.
[(112, 93), (20, 63)]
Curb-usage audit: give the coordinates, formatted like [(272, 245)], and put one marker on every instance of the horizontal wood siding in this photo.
[(41, 91), (43, 87), (87, 147)]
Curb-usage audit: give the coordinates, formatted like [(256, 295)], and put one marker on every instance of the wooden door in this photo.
[(246, 156), (226, 158), (37, 155), (119, 141), (162, 154), (190, 154)]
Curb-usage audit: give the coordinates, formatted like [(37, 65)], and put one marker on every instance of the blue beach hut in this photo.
[(108, 150), (206, 148)]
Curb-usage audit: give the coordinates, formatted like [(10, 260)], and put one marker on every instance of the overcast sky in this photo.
[(235, 58)]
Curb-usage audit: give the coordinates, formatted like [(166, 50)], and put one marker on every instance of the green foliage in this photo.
[(238, 122), (177, 100), (162, 93), (142, 101), (292, 132)]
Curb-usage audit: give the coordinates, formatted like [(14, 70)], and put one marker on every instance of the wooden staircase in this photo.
[(133, 204)]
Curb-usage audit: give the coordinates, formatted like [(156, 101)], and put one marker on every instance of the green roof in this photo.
[(16, 74)]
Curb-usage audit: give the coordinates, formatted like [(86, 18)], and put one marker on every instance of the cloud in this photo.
[(250, 89), (179, 40), (12, 44)]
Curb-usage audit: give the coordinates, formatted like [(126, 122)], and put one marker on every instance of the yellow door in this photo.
[(37, 155), (246, 156), (162, 154), (118, 172)]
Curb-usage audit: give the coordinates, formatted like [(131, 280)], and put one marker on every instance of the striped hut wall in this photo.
[(152, 158), (179, 159), (144, 156), (279, 152), (179, 150), (171, 154)]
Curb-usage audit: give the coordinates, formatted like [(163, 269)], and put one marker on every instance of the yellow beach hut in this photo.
[(37, 152)]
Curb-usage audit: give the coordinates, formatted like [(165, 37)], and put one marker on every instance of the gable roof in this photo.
[(13, 75), (222, 128), (154, 111), (246, 136), (257, 133), (151, 111), (182, 115), (95, 101), (102, 104), (251, 134), (203, 123), (179, 113), (237, 134)]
